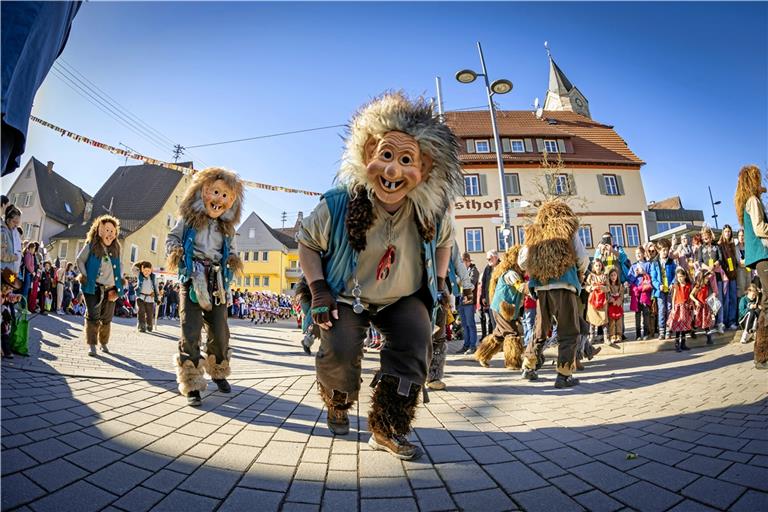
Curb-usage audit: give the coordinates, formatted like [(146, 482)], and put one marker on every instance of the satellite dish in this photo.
[(539, 112)]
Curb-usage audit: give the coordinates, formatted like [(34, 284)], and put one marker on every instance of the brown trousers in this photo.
[(98, 314), (562, 306), (503, 327), (193, 320), (406, 354), (146, 313), (761, 333)]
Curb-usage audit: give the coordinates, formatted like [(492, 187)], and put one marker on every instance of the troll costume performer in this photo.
[(201, 247), (376, 250)]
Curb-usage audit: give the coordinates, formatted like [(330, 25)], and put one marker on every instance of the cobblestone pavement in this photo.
[(658, 431)]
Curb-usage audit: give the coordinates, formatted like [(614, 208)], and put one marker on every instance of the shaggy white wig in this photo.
[(393, 111)]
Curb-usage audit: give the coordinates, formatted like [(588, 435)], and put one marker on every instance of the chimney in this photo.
[(50, 166), (299, 218), (87, 211)]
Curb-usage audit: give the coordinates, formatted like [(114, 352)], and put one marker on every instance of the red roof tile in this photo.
[(592, 141)]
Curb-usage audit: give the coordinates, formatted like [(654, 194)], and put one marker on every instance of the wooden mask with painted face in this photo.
[(395, 166), (217, 198)]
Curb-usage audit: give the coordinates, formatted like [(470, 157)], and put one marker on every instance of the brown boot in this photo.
[(397, 445), (104, 330), (337, 405), (91, 336), (489, 346)]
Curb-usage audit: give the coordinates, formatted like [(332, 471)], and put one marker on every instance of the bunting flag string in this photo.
[(137, 156)]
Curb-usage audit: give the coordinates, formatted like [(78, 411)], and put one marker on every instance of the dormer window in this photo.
[(482, 146), (517, 145), (550, 146)]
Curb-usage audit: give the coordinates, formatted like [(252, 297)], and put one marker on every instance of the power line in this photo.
[(104, 95), (115, 114), (72, 85), (269, 136)]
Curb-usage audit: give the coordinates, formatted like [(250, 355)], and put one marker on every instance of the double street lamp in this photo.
[(501, 86)]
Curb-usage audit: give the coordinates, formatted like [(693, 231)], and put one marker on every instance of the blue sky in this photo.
[(684, 83)]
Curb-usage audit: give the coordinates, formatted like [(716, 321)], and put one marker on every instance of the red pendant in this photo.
[(385, 263)]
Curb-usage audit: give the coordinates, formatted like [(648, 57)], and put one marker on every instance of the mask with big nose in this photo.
[(395, 166), (217, 198)]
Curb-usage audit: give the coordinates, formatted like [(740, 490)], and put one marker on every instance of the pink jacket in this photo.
[(640, 293)]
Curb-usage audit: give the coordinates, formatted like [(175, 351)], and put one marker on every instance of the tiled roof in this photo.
[(265, 237), (670, 203), (60, 199), (592, 141), (134, 194)]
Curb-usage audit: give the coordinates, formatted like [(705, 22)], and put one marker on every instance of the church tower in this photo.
[(562, 95)]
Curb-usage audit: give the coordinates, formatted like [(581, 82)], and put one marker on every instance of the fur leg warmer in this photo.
[(761, 338), (513, 352), (91, 332), (489, 347), (391, 413), (216, 370), (335, 399), (104, 330), (190, 377)]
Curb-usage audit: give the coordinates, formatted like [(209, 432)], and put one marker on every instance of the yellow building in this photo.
[(589, 165), (270, 258), (145, 199)]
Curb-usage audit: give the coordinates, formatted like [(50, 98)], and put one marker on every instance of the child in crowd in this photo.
[(662, 278), (640, 291), (10, 284), (710, 258), (729, 265), (615, 306), (749, 310), (146, 295), (529, 316), (597, 310), (703, 318), (680, 317)]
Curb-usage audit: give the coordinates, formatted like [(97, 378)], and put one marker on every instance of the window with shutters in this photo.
[(473, 238), (617, 234), (153, 244), (520, 235), (585, 234), (472, 185), (28, 199), (482, 146), (500, 245), (611, 185), (63, 248), (560, 184), (134, 253), (633, 235), (517, 145), (551, 146), (512, 184)]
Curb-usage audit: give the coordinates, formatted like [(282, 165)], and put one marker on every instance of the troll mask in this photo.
[(218, 197), (395, 165)]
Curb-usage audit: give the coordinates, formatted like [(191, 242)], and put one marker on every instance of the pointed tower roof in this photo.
[(558, 82)]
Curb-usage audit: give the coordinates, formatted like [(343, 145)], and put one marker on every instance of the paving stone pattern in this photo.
[(657, 431)]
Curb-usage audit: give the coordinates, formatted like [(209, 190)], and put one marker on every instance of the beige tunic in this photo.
[(399, 230), (595, 316)]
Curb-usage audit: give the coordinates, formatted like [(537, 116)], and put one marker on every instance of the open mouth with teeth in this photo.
[(216, 207), (390, 186)]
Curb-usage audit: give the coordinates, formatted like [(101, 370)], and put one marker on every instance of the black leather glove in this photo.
[(442, 291), (323, 303)]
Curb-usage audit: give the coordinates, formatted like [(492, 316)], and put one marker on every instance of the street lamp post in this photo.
[(714, 203), (501, 86)]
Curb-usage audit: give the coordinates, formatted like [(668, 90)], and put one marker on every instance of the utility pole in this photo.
[(178, 150), (714, 203), (284, 218)]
